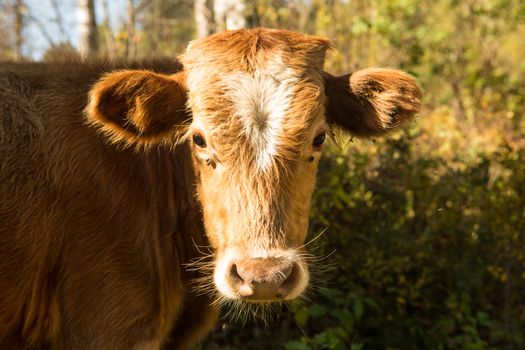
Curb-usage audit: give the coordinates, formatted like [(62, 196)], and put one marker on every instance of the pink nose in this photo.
[(260, 279)]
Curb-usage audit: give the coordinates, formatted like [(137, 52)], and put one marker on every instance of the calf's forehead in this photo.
[(248, 50), (263, 87)]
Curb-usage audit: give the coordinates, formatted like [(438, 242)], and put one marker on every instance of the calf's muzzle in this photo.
[(263, 279)]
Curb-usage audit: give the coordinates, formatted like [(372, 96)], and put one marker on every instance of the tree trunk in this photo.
[(203, 18), (109, 38), (130, 42), (154, 27), (229, 14), (88, 41), (19, 26)]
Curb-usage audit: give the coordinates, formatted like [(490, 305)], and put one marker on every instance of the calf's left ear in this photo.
[(372, 101), (139, 107)]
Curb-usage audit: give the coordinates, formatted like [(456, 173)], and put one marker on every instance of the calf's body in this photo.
[(92, 236)]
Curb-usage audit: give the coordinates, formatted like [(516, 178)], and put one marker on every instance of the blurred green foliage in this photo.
[(425, 229)]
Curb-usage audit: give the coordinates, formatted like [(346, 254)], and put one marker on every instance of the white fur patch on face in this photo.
[(261, 100)]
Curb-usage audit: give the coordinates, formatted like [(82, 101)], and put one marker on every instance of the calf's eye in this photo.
[(199, 140), (319, 139)]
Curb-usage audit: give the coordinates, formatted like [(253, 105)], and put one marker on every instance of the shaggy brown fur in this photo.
[(103, 196), (92, 237)]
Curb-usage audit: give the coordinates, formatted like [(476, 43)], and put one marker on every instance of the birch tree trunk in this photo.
[(204, 21), (229, 14), (88, 41)]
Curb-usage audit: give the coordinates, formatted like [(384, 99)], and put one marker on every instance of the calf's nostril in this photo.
[(241, 283), (286, 272), (292, 276), (234, 275)]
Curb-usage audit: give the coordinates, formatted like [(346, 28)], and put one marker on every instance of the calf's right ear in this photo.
[(139, 107)]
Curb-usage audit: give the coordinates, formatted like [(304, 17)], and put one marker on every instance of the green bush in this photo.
[(427, 257)]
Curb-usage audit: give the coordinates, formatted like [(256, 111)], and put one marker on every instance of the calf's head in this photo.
[(256, 107)]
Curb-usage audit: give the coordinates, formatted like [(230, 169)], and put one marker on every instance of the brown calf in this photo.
[(109, 182)]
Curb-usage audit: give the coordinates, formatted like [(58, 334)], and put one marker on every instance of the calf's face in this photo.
[(256, 107)]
